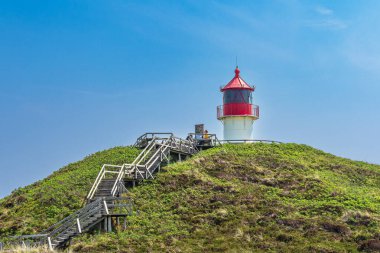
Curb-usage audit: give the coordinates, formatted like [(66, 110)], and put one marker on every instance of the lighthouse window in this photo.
[(237, 96)]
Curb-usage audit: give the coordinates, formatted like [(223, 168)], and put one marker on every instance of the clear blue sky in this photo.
[(77, 77)]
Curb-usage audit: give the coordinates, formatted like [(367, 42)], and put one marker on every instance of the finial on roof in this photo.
[(237, 71)]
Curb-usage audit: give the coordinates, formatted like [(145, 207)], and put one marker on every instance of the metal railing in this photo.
[(248, 110)]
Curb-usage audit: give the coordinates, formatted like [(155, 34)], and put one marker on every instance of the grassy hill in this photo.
[(34, 208), (234, 198)]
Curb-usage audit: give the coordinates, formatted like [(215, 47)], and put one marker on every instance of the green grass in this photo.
[(234, 198), (34, 208)]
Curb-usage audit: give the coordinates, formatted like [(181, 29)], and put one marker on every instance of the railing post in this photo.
[(49, 244), (105, 224), (109, 224), (106, 207), (78, 225)]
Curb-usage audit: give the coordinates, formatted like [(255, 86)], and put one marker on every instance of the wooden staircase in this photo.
[(105, 187), (93, 214), (156, 149), (104, 200)]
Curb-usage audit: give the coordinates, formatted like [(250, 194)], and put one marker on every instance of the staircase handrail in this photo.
[(156, 145), (158, 155), (95, 184), (74, 215), (188, 144), (47, 231), (117, 181), (142, 152), (87, 213), (72, 222), (99, 178), (58, 231), (166, 144), (139, 139), (121, 188), (137, 161), (151, 135), (145, 152), (136, 170)]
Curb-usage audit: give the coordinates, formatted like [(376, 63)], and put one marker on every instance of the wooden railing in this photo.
[(199, 139), (149, 136), (106, 169), (157, 147), (76, 223)]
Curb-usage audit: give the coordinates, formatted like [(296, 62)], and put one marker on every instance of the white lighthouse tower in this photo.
[(237, 112)]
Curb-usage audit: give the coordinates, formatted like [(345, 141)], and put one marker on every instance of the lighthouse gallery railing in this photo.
[(238, 110)]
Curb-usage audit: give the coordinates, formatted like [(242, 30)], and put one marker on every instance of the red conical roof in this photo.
[(237, 83)]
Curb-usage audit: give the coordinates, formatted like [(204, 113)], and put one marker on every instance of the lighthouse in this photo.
[(238, 111)]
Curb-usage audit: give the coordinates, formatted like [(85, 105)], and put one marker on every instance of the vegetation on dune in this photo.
[(234, 198), (266, 197), (34, 208), (40, 249)]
